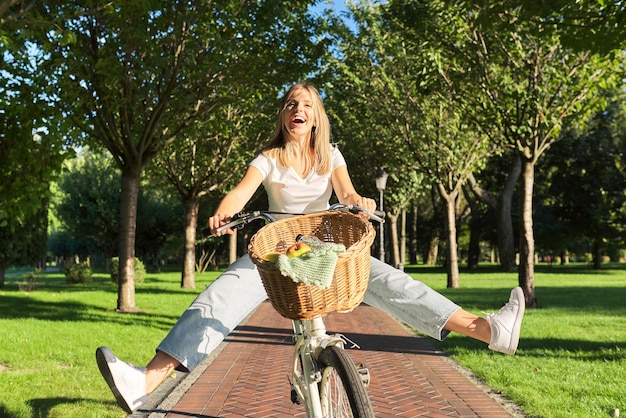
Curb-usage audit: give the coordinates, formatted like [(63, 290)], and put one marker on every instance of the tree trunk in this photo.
[(597, 253), (473, 253), (188, 278), (502, 207), (131, 178), (413, 236), (452, 264), (506, 240), (527, 240), (402, 241), (433, 245), (2, 276), (393, 230), (433, 249)]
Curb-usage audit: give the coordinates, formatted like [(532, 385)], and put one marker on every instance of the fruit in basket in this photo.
[(272, 256), (298, 249)]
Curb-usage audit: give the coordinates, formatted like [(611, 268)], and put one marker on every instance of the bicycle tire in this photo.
[(340, 382)]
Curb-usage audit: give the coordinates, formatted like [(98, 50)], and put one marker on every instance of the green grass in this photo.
[(48, 338), (571, 361)]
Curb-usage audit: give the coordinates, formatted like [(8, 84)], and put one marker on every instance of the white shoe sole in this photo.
[(103, 356), (519, 293)]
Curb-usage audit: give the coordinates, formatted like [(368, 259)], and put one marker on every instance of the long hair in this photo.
[(285, 151)]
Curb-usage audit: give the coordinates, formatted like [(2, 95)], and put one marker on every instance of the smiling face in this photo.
[(298, 114)]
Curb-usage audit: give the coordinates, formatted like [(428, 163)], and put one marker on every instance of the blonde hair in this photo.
[(285, 151)]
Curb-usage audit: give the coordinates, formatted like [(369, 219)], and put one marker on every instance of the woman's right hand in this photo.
[(218, 220)]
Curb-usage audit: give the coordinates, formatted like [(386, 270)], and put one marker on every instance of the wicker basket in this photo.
[(298, 301)]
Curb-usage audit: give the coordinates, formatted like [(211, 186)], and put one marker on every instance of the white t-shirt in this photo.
[(290, 193)]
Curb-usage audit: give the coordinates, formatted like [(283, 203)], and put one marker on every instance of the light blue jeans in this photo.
[(239, 290)]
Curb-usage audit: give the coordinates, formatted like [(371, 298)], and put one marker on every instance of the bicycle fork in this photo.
[(309, 339)]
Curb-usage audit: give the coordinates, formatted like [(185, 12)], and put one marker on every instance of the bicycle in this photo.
[(324, 378)]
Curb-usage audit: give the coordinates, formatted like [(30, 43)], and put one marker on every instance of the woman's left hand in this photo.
[(366, 203)]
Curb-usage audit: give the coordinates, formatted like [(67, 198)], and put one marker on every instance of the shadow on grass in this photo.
[(7, 413), (547, 268), (18, 304), (553, 348), (605, 299), (153, 283), (18, 307), (41, 407)]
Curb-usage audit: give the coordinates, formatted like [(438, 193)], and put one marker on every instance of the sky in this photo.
[(338, 6)]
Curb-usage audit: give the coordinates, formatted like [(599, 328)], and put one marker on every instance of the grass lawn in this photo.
[(48, 338), (570, 362)]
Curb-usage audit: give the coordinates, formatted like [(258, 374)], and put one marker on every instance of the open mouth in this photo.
[(298, 120)]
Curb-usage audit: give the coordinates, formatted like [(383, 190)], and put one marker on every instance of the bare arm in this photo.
[(235, 200), (345, 191)]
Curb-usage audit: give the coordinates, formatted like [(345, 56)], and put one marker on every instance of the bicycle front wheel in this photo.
[(342, 391)]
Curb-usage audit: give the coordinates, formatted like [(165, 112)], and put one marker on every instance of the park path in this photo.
[(247, 376)]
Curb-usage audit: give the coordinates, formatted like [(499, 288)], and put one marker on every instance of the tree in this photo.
[(530, 82), (87, 207), (31, 158), (88, 204), (533, 84), (33, 149), (369, 137), (413, 104), (140, 73), (209, 161), (210, 156), (586, 206), (24, 243), (501, 204)]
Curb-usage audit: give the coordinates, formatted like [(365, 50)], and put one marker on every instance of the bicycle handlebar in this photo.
[(241, 219)]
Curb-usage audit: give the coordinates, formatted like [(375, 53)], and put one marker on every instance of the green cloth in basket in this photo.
[(315, 268)]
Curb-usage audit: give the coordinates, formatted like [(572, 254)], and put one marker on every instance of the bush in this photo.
[(29, 282), (140, 270), (78, 273)]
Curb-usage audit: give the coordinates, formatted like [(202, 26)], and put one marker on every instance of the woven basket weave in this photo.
[(298, 301)]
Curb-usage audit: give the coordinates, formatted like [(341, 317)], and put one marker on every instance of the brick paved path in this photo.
[(410, 377)]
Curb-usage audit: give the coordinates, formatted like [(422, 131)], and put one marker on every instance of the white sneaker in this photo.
[(127, 382), (506, 324)]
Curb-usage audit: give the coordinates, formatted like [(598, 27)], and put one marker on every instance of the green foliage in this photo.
[(585, 208), (78, 273), (140, 270), (24, 243), (33, 147), (87, 208), (88, 205), (583, 25), (136, 89)]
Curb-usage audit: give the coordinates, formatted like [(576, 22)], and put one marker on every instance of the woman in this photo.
[(299, 170)]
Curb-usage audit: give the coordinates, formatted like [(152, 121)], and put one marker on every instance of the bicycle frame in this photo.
[(310, 337)]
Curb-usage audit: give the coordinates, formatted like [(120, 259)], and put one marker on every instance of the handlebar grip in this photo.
[(234, 223)]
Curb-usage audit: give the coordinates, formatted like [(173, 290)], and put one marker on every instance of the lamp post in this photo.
[(381, 182)]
